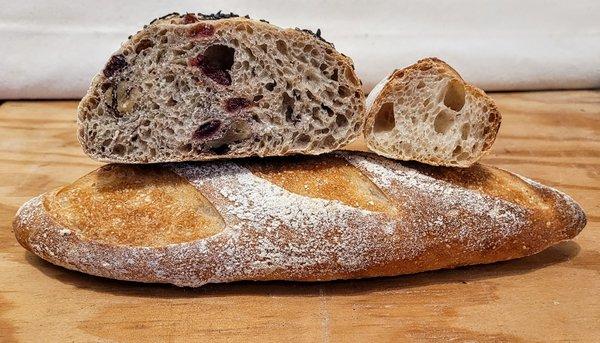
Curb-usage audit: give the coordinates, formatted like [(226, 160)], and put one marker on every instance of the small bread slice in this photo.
[(201, 87), (428, 113), (305, 218)]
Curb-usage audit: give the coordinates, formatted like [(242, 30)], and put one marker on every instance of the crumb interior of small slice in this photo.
[(135, 206), (430, 117)]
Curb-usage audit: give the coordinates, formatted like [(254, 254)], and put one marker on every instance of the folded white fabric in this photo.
[(51, 49)]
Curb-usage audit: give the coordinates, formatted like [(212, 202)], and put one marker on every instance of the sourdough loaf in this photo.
[(428, 113), (200, 87), (336, 216)]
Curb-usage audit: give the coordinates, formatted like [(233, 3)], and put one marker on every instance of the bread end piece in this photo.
[(428, 113)]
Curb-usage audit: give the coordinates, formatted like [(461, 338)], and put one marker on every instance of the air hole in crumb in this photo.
[(343, 91), (287, 104), (329, 141), (257, 98), (302, 141), (486, 131), (215, 63), (119, 149), (263, 47), (465, 130), (328, 110), (171, 102), (334, 76), (443, 121), (281, 47), (455, 95), (270, 86), (457, 151), (421, 85), (384, 119), (341, 120), (219, 56)]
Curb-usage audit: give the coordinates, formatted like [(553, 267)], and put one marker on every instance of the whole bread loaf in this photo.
[(336, 216), (200, 87), (426, 112)]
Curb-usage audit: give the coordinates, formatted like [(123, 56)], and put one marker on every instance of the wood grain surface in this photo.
[(552, 137)]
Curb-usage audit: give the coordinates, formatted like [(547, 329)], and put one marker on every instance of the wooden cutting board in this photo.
[(553, 137)]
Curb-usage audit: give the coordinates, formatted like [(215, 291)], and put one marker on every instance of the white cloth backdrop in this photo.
[(51, 49)]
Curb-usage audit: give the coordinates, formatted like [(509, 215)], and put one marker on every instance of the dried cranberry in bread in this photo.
[(340, 216), (200, 87), (428, 113)]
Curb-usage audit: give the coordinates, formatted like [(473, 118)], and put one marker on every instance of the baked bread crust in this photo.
[(423, 124), (201, 87), (280, 225)]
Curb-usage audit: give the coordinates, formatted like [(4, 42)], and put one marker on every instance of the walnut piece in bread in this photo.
[(306, 218), (201, 87), (428, 113)]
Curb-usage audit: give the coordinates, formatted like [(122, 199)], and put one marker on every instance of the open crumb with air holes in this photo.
[(198, 87), (428, 113)]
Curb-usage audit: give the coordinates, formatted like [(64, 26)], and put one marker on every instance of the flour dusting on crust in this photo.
[(273, 234)]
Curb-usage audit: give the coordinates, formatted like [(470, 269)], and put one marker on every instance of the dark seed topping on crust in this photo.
[(220, 15), (317, 35), (114, 65)]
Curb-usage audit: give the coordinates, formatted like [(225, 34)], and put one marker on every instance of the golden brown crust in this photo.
[(324, 177), (442, 218), (134, 205)]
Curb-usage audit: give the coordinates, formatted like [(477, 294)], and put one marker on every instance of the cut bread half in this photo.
[(200, 87), (428, 113)]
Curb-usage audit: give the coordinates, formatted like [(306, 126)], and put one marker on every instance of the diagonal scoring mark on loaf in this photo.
[(446, 195), (135, 205), (324, 177), (281, 229)]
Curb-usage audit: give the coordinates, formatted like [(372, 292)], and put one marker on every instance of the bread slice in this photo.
[(200, 87), (428, 113), (306, 218)]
